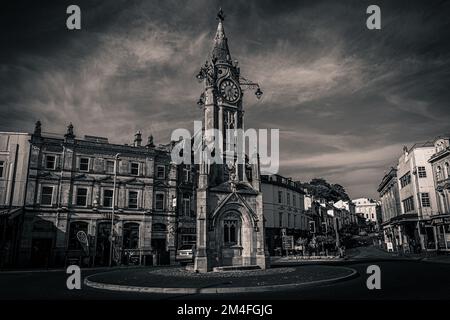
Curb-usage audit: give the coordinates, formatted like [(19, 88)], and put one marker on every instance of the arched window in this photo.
[(438, 173), (447, 170), (230, 232), (226, 233)]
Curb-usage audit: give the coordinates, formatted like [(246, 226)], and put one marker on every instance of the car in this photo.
[(185, 254)]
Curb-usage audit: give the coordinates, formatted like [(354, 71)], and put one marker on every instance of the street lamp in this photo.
[(116, 159)]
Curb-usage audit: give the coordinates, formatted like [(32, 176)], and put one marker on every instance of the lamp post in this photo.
[(116, 158)]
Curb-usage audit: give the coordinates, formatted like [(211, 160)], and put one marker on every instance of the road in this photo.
[(400, 279)]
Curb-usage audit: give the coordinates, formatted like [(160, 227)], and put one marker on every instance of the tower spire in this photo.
[(220, 51)]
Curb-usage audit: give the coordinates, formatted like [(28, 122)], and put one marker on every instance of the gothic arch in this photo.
[(237, 208)]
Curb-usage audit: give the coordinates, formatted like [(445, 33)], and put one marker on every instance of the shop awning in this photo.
[(11, 213)]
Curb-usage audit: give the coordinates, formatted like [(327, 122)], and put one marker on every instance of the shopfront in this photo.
[(441, 225)]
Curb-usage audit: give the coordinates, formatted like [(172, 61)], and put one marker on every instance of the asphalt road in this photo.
[(399, 280)]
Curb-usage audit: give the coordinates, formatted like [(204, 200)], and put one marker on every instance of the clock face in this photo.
[(229, 90)]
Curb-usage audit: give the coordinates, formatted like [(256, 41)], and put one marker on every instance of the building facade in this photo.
[(440, 163), (367, 208), (417, 198), (390, 209), (75, 184), (284, 210), (14, 159)]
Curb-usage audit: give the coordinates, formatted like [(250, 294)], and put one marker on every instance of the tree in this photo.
[(320, 188)]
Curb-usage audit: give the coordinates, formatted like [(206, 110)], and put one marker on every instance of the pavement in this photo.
[(375, 253)]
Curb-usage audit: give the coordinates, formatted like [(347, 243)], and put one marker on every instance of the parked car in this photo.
[(185, 254)]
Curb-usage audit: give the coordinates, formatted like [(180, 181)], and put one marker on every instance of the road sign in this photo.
[(288, 242)]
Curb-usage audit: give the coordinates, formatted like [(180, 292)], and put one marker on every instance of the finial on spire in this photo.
[(220, 15)]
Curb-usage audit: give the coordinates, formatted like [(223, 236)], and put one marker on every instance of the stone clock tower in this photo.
[(230, 226)]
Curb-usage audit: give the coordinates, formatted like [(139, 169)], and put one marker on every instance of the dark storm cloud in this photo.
[(345, 98)]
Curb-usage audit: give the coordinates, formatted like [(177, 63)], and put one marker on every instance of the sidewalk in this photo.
[(371, 252), (35, 270), (302, 260)]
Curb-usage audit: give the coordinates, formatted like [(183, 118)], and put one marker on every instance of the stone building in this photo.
[(390, 209), (70, 189), (284, 208), (14, 156), (417, 197), (83, 194), (367, 208), (230, 222), (440, 162)]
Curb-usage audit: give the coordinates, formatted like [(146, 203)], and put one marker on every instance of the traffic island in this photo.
[(176, 280)]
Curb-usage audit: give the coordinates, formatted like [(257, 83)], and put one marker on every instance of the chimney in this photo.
[(405, 150), (137, 138), (38, 128), (150, 142)]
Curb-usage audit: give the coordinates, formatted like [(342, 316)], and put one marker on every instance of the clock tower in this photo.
[(230, 226)]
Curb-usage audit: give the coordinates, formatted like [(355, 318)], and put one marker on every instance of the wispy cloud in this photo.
[(346, 99)]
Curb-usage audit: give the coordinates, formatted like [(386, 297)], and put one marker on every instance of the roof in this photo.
[(391, 174), (220, 50)]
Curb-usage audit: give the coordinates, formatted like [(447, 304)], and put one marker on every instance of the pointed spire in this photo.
[(220, 51)]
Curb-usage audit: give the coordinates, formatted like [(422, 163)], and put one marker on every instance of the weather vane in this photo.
[(220, 15)]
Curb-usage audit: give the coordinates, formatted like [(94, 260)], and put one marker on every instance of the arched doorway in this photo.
[(103, 243), (234, 238), (159, 246), (76, 253), (43, 235), (130, 244)]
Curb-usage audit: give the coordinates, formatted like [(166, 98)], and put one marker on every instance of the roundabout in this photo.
[(177, 280)]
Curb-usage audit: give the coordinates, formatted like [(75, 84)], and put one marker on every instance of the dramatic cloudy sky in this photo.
[(345, 98)]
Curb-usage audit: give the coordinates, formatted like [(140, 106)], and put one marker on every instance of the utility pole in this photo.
[(336, 230), (116, 158)]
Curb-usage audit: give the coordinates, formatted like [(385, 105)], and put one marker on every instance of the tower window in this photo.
[(230, 232)]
